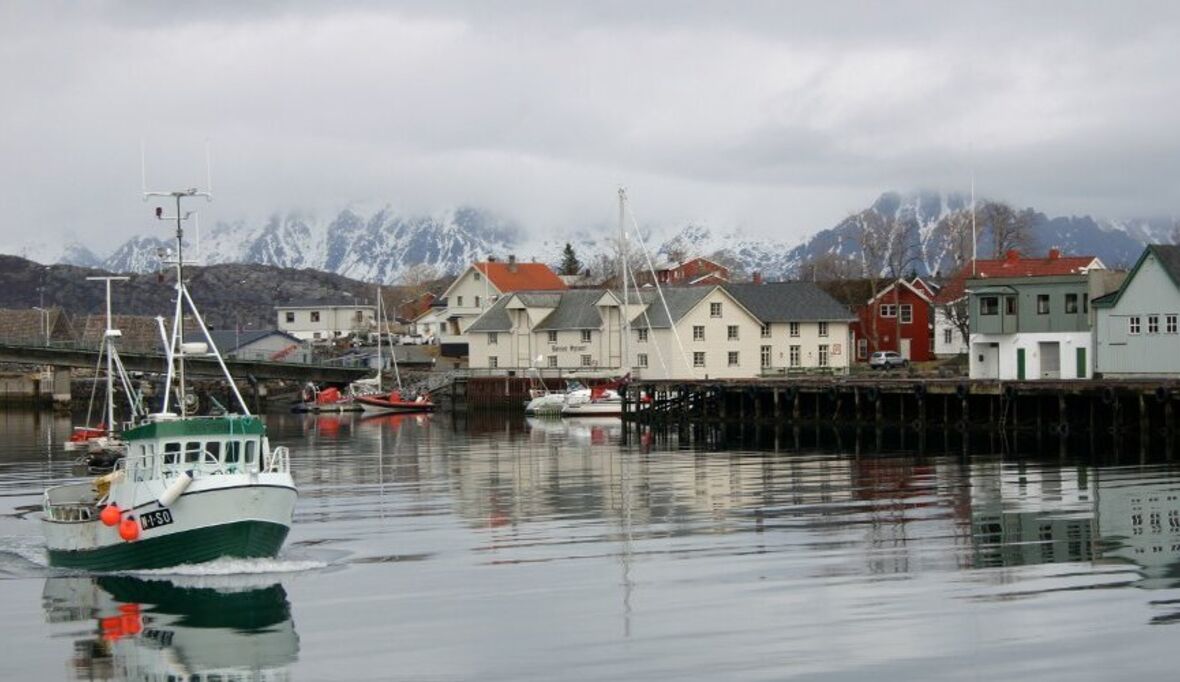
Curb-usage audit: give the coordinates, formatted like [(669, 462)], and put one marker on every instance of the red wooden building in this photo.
[(898, 318)]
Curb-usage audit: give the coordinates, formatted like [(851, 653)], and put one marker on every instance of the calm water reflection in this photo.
[(514, 549)]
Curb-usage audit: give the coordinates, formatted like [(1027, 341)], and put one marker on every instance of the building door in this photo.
[(1050, 359), (1081, 363), (905, 348), (1020, 364)]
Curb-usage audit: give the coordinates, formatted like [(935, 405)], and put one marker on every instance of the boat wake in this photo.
[(228, 566), (20, 553)]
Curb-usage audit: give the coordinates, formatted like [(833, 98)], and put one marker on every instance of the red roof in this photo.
[(520, 276), (1014, 266)]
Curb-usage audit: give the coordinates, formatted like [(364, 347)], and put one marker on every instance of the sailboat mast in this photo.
[(179, 322), (974, 239), (624, 332), (380, 324), (108, 338)]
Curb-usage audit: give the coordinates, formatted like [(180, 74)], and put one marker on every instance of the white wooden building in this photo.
[(325, 321)]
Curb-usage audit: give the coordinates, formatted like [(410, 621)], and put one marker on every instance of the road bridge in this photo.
[(74, 356)]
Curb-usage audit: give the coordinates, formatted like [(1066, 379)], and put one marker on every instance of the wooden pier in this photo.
[(1114, 415)]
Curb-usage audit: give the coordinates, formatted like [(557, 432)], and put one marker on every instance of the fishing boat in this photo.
[(190, 488), (328, 399)]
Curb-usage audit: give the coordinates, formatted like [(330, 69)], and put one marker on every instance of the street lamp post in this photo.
[(45, 318)]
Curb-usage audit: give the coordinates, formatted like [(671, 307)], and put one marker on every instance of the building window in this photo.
[(358, 317), (1071, 303), (888, 310), (907, 313), (794, 329), (315, 316), (642, 335), (552, 337), (1153, 324), (1170, 321), (766, 331), (478, 276), (823, 355), (948, 336), (459, 301), (714, 310), (493, 338), (585, 336), (989, 305), (1086, 303), (698, 332), (587, 360), (1042, 304), (731, 332), (733, 358), (764, 356), (823, 328), (1133, 324), (698, 359), (315, 335), (291, 317), (1009, 305), (493, 362), (862, 348), (794, 356), (552, 360), (477, 301), (641, 360)]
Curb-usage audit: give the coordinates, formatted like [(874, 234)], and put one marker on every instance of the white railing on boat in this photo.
[(279, 460)]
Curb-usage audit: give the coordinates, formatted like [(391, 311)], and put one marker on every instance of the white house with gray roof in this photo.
[(1137, 328), (727, 331)]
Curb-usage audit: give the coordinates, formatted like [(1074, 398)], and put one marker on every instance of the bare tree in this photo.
[(416, 280), (885, 252), (960, 235), (1011, 229)]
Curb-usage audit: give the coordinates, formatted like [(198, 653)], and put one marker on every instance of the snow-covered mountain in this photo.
[(376, 248), (381, 245)]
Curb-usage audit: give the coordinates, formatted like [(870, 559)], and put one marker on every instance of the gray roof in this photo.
[(228, 340), (680, 301), (788, 302), (576, 310), (494, 319)]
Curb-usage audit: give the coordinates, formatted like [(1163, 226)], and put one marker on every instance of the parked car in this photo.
[(886, 359)]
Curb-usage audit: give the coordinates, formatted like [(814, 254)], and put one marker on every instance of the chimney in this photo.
[(1054, 253), (1012, 255), (757, 277), (491, 258), (512, 262)]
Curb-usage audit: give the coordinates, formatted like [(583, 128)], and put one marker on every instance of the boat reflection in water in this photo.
[(158, 630), (586, 430)]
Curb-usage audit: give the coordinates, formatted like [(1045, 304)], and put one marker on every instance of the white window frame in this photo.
[(765, 331), (823, 329), (587, 360), (793, 330), (585, 336), (823, 355), (906, 313), (552, 337), (795, 355), (1153, 324), (493, 338), (888, 310), (642, 334), (552, 361), (641, 360), (715, 309), (493, 362), (1170, 323), (698, 358), (862, 348), (764, 356), (732, 333), (1134, 325), (698, 332), (733, 359)]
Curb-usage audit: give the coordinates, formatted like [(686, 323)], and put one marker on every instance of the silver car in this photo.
[(885, 359)]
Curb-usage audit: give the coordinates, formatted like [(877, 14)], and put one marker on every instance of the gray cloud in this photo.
[(774, 116)]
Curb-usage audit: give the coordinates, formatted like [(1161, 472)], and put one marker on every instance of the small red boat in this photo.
[(83, 434), (394, 401), (329, 399)]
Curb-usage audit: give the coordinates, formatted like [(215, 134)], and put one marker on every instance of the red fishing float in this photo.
[(110, 514), (129, 529)]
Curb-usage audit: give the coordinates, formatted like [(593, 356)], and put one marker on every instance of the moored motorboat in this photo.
[(190, 489), (328, 399), (395, 401)]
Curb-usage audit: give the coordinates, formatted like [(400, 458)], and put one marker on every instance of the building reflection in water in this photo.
[(150, 630)]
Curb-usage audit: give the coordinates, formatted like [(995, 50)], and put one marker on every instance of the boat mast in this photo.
[(624, 324), (108, 339), (380, 323)]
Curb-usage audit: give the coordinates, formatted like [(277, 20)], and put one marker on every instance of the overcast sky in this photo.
[(778, 117)]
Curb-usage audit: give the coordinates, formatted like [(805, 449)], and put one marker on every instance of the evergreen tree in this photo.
[(570, 265)]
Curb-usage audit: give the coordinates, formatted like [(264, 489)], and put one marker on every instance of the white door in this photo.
[(905, 348)]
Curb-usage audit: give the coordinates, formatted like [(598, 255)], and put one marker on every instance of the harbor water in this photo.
[(500, 548)]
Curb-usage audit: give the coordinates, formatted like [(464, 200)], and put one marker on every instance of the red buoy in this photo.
[(110, 514), (129, 529)]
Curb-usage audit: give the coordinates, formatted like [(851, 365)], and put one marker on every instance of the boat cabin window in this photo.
[(192, 451), (214, 449), (233, 452), (145, 467), (171, 453), (249, 452)]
